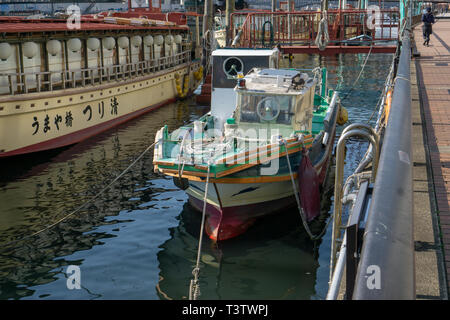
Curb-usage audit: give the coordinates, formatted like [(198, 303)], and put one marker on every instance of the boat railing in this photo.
[(44, 81)]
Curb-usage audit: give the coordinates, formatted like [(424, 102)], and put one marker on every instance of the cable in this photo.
[(82, 206), (194, 287), (360, 73)]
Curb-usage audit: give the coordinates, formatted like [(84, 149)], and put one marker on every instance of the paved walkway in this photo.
[(433, 81)]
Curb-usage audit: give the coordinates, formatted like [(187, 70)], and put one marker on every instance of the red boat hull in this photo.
[(229, 222)]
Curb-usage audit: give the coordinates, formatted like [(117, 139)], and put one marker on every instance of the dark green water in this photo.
[(139, 240)]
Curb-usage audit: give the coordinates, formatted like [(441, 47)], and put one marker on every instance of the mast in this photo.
[(228, 11), (207, 23)]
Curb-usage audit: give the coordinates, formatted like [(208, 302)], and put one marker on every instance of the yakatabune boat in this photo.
[(238, 153), (62, 82)]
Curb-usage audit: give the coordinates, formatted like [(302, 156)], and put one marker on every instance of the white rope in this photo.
[(86, 203), (194, 287), (323, 37), (251, 139), (360, 73)]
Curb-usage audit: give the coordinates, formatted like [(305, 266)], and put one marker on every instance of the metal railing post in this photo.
[(337, 214)]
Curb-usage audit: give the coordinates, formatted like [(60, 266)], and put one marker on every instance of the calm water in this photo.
[(139, 240)]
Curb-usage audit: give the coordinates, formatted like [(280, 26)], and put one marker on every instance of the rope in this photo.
[(299, 206), (194, 287), (322, 32), (263, 36), (359, 76), (85, 204)]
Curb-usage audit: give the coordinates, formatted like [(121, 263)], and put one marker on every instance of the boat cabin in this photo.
[(227, 63), (274, 98)]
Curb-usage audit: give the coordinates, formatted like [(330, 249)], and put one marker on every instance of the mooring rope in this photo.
[(323, 37), (299, 205), (360, 73), (82, 206), (194, 287)]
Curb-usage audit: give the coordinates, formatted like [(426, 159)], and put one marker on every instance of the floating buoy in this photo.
[(198, 75), (182, 93), (342, 116), (388, 105)]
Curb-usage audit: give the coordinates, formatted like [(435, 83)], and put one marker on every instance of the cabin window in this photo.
[(266, 108)]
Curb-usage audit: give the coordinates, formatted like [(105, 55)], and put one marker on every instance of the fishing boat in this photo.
[(65, 80), (269, 134)]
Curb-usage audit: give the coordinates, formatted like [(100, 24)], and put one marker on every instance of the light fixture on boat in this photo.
[(30, 49), (5, 51), (123, 42), (169, 39), (136, 41), (178, 39), (159, 40), (74, 45), (93, 44), (241, 83), (53, 47), (148, 40), (109, 43)]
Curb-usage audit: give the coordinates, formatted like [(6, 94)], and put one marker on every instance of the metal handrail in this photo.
[(363, 131), (388, 243)]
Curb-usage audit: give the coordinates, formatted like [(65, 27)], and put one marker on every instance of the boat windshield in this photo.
[(266, 108)]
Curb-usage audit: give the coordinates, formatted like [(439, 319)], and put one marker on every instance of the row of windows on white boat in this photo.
[(21, 75)]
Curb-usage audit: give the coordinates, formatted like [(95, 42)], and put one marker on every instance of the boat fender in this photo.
[(181, 183), (342, 116), (308, 183), (388, 105)]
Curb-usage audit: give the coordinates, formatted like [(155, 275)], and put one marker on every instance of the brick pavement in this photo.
[(433, 71)]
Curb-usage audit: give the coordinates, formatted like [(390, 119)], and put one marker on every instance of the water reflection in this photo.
[(276, 262), (51, 185)]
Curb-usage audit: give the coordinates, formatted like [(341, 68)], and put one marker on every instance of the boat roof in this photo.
[(243, 52), (276, 81)]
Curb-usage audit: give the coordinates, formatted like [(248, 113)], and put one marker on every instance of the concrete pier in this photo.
[(430, 88)]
